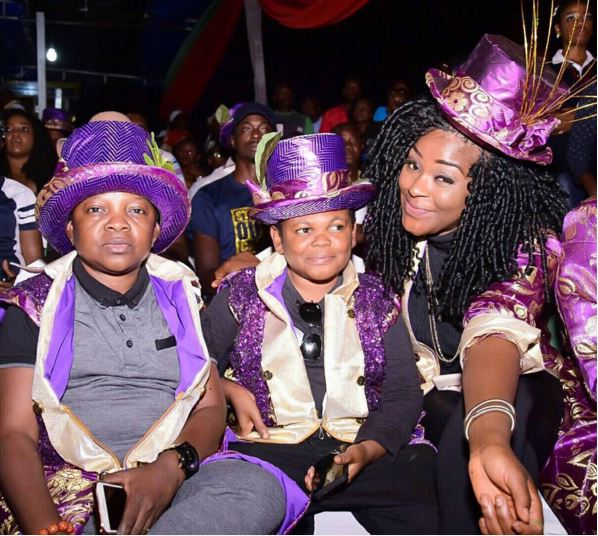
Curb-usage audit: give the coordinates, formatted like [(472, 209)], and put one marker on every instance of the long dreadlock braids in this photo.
[(511, 204)]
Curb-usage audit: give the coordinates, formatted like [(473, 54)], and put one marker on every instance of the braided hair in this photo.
[(511, 204)]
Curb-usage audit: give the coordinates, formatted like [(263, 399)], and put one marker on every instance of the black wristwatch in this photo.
[(188, 458)]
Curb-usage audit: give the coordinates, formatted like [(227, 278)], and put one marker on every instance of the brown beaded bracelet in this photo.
[(61, 526)]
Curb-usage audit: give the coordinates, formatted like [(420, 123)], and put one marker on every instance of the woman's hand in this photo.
[(357, 456), (245, 406), (506, 493), (150, 489)]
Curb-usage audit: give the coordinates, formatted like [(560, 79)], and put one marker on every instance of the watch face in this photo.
[(188, 458)]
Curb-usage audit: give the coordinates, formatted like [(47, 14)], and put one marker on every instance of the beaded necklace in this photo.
[(432, 311)]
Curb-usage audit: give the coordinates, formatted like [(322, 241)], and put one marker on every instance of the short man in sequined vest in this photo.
[(316, 356)]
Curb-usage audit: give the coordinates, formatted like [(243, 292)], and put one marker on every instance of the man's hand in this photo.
[(150, 489), (357, 456), (248, 414), (235, 263)]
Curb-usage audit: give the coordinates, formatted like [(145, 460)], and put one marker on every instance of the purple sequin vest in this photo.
[(375, 311)]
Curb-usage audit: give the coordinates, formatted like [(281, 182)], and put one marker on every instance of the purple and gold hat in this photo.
[(495, 99), (111, 156), (303, 175), (57, 119)]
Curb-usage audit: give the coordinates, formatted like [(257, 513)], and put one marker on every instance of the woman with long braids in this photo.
[(464, 229)]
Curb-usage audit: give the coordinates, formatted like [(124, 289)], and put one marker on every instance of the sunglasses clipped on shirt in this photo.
[(311, 346)]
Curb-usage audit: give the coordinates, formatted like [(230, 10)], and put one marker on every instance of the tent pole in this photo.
[(40, 23), (253, 17)]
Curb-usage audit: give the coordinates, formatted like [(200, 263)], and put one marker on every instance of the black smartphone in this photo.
[(329, 476), (111, 499)]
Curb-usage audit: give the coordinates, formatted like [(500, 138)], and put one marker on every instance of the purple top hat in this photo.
[(57, 119), (111, 156), (494, 100), (305, 175)]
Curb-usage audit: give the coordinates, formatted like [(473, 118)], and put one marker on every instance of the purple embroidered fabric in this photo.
[(374, 310), (245, 357), (71, 488), (569, 477), (30, 295), (568, 480)]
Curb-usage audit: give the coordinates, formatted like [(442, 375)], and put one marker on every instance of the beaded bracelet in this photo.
[(489, 406), (61, 526)]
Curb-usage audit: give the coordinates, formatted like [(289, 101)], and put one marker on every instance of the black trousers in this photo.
[(390, 496), (539, 408)]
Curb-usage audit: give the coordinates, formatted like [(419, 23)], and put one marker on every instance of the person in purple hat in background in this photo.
[(317, 358), (220, 218), (58, 123), (464, 228), (108, 345)]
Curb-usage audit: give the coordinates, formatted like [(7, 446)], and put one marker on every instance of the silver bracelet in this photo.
[(488, 406)]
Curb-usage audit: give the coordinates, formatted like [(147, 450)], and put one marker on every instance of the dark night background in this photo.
[(384, 40)]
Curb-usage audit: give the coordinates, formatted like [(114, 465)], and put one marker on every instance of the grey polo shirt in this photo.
[(125, 369)]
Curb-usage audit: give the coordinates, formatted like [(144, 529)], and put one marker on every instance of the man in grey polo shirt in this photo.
[(122, 384)]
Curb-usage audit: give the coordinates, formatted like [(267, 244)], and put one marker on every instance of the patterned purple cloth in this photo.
[(569, 477), (71, 488), (30, 295), (576, 288), (306, 175), (523, 298), (568, 480), (375, 311), (492, 100), (111, 156)]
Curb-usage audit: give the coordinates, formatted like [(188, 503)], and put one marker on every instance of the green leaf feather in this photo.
[(265, 148), (155, 158), (222, 114)]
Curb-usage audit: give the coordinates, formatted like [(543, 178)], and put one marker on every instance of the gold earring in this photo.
[(558, 35)]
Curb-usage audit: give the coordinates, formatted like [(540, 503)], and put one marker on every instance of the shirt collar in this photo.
[(104, 295), (559, 58)]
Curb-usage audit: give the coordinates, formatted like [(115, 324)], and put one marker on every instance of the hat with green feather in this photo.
[(303, 175)]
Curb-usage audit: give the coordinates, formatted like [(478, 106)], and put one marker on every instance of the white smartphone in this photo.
[(111, 499)]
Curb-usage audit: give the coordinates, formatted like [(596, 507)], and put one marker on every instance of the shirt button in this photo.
[(360, 420), (361, 380), (122, 317), (267, 375), (351, 313), (129, 343), (118, 301)]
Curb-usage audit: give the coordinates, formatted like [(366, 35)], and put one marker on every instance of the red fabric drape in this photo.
[(310, 13)]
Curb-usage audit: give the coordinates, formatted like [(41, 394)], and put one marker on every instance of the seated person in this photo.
[(20, 241), (107, 342), (319, 357), (220, 222)]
